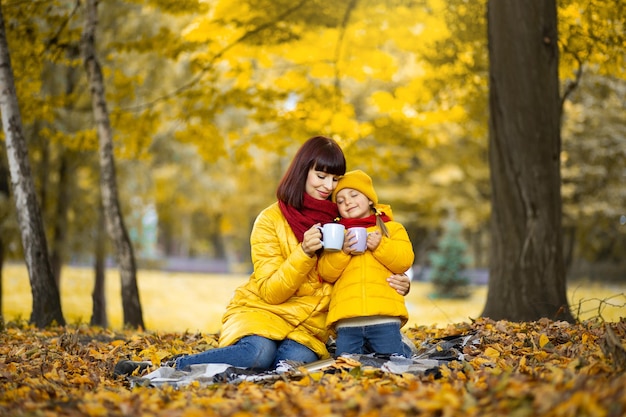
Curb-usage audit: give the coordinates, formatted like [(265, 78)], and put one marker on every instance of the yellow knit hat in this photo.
[(357, 180)]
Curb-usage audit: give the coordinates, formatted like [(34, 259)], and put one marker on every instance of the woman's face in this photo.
[(320, 184)]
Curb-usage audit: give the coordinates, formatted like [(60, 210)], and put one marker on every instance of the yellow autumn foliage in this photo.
[(67, 372)]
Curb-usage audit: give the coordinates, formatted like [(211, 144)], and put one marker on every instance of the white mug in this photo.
[(360, 244), (332, 236)]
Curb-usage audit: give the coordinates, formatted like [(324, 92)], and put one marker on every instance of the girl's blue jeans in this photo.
[(252, 352), (380, 338)]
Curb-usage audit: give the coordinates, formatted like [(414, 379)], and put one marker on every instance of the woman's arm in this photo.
[(279, 271)]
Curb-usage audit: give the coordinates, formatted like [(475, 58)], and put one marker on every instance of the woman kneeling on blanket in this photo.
[(280, 313)]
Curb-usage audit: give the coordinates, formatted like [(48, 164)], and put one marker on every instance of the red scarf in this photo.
[(364, 222), (313, 211)]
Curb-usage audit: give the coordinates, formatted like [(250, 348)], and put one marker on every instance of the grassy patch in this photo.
[(195, 302)]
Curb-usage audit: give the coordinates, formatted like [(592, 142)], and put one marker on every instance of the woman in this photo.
[(280, 313)]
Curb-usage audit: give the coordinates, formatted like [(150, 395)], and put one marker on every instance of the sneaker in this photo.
[(126, 367), (409, 343), (171, 361)]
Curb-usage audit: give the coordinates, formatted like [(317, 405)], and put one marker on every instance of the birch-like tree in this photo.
[(46, 300), (114, 220)]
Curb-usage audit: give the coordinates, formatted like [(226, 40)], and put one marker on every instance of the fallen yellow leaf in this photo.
[(492, 353)]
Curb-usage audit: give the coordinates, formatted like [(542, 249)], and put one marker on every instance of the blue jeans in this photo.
[(382, 338), (254, 352)]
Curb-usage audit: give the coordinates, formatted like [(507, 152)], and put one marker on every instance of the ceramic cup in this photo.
[(332, 236), (360, 244)]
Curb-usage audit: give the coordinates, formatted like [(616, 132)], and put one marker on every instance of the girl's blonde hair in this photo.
[(380, 222)]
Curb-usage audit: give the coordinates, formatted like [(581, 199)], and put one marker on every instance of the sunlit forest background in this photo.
[(210, 99)]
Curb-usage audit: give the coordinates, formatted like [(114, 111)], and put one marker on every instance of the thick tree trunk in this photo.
[(46, 301), (1, 278), (114, 220), (527, 275), (98, 296)]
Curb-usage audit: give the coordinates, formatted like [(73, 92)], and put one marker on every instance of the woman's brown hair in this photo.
[(319, 152)]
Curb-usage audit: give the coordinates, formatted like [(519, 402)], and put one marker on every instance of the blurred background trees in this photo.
[(209, 100)]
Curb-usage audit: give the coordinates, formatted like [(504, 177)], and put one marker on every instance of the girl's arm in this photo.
[(331, 265), (395, 251)]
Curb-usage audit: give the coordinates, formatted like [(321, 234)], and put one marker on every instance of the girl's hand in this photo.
[(400, 282), (373, 240), (348, 240), (312, 240)]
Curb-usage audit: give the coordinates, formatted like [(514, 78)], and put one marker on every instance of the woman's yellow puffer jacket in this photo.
[(361, 288), (284, 297)]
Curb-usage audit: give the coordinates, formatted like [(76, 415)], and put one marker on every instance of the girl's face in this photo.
[(353, 204), (320, 184)]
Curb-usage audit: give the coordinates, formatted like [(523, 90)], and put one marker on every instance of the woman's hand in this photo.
[(400, 282), (312, 240)]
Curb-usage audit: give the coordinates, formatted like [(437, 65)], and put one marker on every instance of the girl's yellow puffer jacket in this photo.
[(361, 287), (284, 297)]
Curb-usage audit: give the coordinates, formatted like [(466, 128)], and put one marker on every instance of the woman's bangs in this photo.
[(332, 163)]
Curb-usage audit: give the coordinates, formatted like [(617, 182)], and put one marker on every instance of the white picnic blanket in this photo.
[(429, 358), (208, 374)]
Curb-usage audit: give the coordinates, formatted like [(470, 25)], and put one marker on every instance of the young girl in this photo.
[(365, 313)]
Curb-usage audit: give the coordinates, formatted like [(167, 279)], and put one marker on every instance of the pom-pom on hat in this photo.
[(357, 180)]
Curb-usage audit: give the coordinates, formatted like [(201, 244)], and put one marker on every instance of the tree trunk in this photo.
[(114, 221), (527, 274), (217, 237), (46, 301), (98, 296), (1, 278), (65, 184), (569, 242), (44, 171), (4, 203), (60, 220)]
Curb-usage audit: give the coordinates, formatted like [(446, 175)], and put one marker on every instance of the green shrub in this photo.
[(449, 262)]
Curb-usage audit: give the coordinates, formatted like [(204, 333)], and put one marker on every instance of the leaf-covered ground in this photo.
[(541, 368)]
